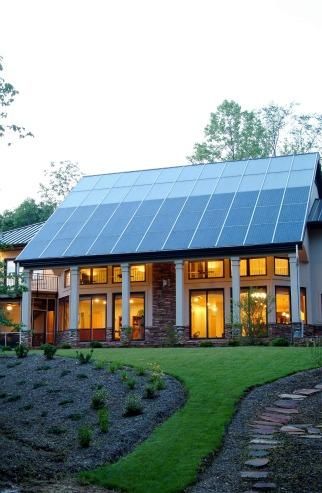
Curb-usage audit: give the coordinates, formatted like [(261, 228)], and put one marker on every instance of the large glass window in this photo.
[(137, 273), (253, 311), (283, 304), (252, 266), (206, 269), (63, 318), (11, 310), (281, 266), (92, 318), (137, 310), (303, 306), (207, 313), (93, 275)]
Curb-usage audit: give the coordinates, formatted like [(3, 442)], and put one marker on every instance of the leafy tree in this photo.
[(272, 130), (28, 212), (61, 177), (7, 97), (11, 285)]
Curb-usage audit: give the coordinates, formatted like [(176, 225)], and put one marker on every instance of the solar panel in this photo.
[(185, 207)]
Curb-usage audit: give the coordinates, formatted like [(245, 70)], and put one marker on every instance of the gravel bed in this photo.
[(44, 403), (296, 465)]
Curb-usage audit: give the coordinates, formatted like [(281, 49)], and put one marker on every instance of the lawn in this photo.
[(215, 379)]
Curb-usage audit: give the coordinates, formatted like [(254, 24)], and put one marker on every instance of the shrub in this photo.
[(131, 382), (205, 344), (280, 341), (124, 376), (95, 344), (171, 338), (21, 351), (234, 342), (84, 358), (103, 419), (99, 399), (84, 436), (66, 345), (316, 352), (160, 384), (133, 406), (150, 391), (114, 366), (49, 350), (6, 348), (140, 372), (99, 365)]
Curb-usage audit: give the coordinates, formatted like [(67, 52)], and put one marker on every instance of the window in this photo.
[(10, 268), (137, 311), (253, 310), (137, 273), (207, 313), (252, 267), (66, 278), (93, 275), (303, 306), (281, 267), (206, 269), (283, 305), (63, 317), (11, 310), (92, 318)]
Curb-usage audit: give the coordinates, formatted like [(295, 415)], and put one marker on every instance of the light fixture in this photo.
[(131, 301), (9, 307)]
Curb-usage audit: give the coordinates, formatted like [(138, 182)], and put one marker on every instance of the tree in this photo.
[(61, 177), (11, 285), (7, 97), (28, 212), (272, 130)]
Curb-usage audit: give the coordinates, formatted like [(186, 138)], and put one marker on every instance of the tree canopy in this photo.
[(234, 133)]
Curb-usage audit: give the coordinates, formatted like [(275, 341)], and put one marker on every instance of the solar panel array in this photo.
[(227, 204), (315, 215)]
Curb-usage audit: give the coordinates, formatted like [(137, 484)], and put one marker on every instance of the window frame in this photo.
[(206, 269), (191, 294), (288, 267), (91, 282), (66, 275), (132, 293), (131, 280), (304, 290), (290, 298), (248, 274), (63, 303)]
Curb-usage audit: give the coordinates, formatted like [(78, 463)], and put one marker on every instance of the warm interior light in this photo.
[(9, 308), (131, 301)]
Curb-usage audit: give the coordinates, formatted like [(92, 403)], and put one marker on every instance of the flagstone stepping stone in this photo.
[(282, 411), (259, 453), (312, 436), (254, 474), (266, 423), (257, 462), (302, 426), (263, 430), (291, 428), (313, 431), (263, 437), (292, 396), (307, 391), (264, 441), (318, 386), (287, 404), (275, 418), (259, 446), (265, 486)]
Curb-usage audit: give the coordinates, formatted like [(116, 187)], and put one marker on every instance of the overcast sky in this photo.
[(127, 84)]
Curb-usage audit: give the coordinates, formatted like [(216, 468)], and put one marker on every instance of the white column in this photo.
[(74, 298), (26, 300), (125, 294), (295, 288), (179, 293), (235, 281)]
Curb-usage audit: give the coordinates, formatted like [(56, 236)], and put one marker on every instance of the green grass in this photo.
[(215, 378)]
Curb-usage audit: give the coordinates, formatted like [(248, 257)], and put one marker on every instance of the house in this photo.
[(180, 247), (44, 285)]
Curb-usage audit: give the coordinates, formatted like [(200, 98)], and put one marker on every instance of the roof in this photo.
[(315, 215), (202, 207), (20, 236)]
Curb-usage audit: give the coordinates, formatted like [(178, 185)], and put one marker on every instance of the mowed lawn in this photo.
[(215, 379)]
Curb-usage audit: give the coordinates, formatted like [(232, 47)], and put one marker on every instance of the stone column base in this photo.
[(67, 337), (26, 337)]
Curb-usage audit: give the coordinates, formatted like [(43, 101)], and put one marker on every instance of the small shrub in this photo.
[(171, 338), (103, 419), (64, 373), (160, 384), (131, 382), (81, 376), (150, 391), (280, 341), (316, 353), (66, 345), (84, 358), (43, 368), (140, 371), (14, 398), (95, 344), (84, 436), (74, 417), (99, 365), (114, 367), (124, 376), (234, 342), (65, 402), (99, 399), (6, 348), (21, 351), (133, 406), (205, 344), (38, 385), (49, 350), (57, 430)]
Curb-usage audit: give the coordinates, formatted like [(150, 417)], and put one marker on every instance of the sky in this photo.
[(118, 85)]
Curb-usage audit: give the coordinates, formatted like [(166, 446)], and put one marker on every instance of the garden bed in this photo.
[(43, 404)]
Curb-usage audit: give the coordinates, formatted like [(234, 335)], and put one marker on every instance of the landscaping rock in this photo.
[(286, 404), (257, 462), (254, 474)]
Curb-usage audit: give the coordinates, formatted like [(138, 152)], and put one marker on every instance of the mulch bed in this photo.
[(44, 403), (294, 466)]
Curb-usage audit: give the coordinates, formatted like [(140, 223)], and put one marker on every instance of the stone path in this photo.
[(265, 436)]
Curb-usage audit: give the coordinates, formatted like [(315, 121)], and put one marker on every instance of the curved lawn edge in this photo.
[(216, 380)]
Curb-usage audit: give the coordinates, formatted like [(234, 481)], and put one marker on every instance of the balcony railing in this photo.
[(44, 282)]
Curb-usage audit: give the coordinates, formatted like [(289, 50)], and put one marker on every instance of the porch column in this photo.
[(74, 298), (125, 294), (179, 293), (235, 281), (26, 300), (295, 288)]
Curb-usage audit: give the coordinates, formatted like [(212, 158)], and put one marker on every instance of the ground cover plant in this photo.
[(215, 378)]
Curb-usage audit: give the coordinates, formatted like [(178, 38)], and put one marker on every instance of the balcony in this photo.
[(44, 283)]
